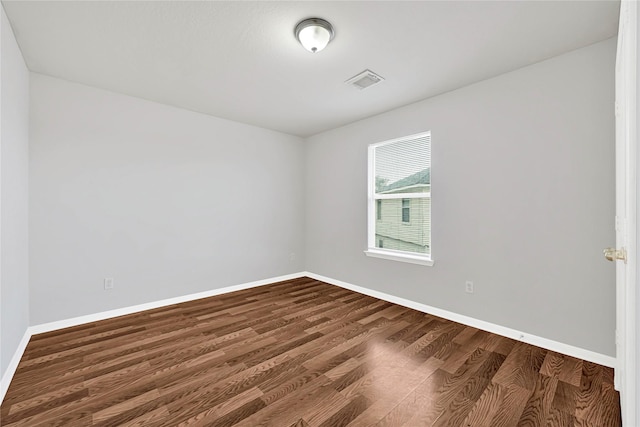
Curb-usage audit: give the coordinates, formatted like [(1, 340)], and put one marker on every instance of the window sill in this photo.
[(413, 259)]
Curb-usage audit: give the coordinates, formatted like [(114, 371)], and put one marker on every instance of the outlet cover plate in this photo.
[(468, 287)]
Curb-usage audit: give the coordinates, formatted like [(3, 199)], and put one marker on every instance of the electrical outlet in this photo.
[(108, 283), (468, 287), (292, 256)]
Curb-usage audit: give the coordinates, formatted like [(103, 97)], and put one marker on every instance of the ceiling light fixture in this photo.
[(314, 34)]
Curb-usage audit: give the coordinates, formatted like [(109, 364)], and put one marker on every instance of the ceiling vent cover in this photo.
[(365, 79)]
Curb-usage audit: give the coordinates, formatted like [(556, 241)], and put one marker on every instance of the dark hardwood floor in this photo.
[(299, 353)]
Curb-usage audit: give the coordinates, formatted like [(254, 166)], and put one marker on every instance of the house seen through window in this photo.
[(400, 199)]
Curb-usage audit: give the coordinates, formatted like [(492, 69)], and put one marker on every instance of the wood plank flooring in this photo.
[(299, 353)]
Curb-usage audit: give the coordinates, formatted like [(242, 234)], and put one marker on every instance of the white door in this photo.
[(626, 142)]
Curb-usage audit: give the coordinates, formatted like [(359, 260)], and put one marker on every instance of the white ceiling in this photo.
[(239, 60)]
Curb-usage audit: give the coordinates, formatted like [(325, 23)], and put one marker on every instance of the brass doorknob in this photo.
[(613, 254)]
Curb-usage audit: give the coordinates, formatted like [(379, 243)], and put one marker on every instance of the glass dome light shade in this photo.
[(314, 34)]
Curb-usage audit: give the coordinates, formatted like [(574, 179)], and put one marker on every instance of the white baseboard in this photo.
[(548, 344), (75, 321), (13, 365)]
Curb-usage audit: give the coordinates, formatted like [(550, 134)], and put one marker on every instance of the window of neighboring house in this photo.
[(406, 210), (400, 185)]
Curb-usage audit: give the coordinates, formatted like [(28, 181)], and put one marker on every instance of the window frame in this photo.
[(372, 198), (403, 207)]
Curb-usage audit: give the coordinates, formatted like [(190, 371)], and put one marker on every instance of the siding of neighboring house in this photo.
[(412, 236)]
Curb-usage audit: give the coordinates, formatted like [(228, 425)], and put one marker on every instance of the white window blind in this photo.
[(400, 197)]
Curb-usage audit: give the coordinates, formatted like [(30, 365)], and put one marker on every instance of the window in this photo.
[(400, 199), (406, 210)]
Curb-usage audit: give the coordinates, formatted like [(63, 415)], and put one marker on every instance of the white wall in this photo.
[(170, 202), (14, 162), (637, 313), (522, 200), (166, 201)]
